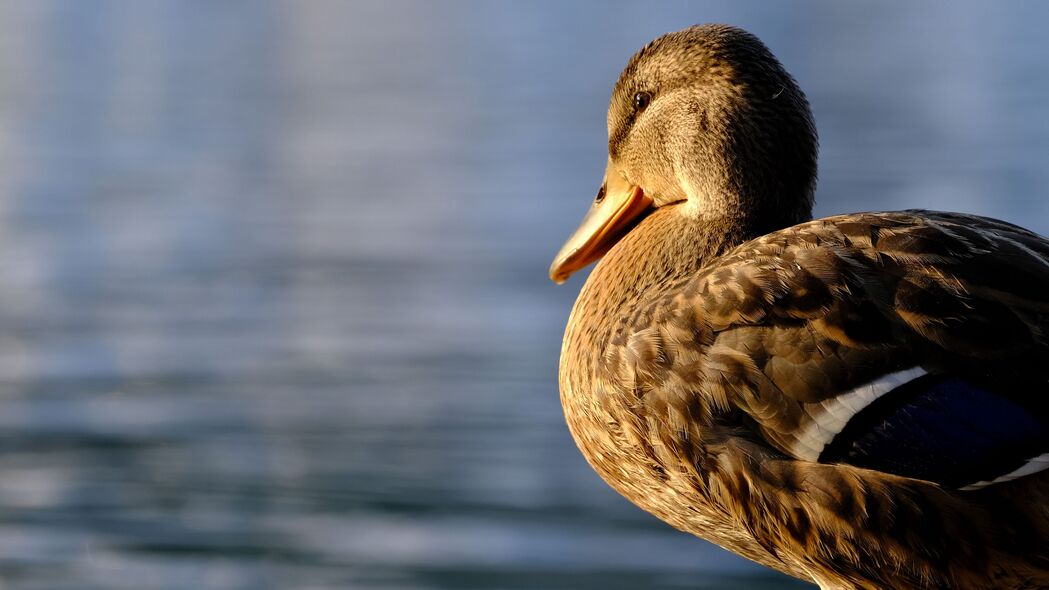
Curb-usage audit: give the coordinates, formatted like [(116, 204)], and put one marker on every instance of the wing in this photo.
[(911, 343)]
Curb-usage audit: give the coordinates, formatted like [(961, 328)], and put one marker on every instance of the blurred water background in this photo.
[(273, 299)]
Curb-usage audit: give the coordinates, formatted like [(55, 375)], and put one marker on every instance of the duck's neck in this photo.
[(667, 245)]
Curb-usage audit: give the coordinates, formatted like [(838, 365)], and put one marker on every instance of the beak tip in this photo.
[(609, 218), (558, 275)]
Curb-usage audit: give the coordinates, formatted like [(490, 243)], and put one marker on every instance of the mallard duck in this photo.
[(860, 401)]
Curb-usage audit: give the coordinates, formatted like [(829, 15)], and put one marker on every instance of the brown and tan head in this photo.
[(706, 118)]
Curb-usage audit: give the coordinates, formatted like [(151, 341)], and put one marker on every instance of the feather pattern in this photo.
[(1034, 465), (722, 387), (827, 418), (944, 429)]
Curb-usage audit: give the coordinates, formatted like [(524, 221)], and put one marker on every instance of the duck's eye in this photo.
[(641, 100)]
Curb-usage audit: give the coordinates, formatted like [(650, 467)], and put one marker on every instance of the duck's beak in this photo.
[(617, 208)]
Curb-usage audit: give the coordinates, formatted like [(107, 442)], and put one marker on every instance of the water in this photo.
[(273, 306)]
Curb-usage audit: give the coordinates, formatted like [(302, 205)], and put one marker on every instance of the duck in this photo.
[(858, 401)]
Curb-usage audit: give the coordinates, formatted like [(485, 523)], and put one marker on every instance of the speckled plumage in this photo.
[(702, 345)]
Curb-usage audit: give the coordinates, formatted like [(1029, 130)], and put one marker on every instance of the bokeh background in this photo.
[(273, 299)]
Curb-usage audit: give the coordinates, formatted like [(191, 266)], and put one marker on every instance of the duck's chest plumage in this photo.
[(798, 397), (606, 410)]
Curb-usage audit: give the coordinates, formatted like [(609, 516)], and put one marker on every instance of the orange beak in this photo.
[(619, 205)]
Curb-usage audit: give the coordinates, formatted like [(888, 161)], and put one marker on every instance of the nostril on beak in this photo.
[(600, 194)]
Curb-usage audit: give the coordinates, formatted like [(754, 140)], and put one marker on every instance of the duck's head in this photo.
[(708, 121)]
